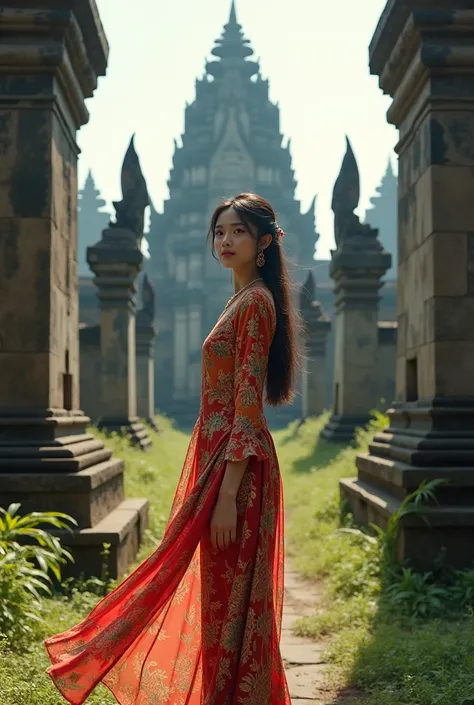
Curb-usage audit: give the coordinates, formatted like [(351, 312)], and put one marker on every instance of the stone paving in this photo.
[(304, 663), (306, 669)]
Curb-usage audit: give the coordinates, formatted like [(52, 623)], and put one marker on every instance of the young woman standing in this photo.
[(199, 622)]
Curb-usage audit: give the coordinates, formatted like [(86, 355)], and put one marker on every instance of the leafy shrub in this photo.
[(415, 595), (25, 569), (463, 589)]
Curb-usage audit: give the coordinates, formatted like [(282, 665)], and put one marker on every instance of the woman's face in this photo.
[(236, 247)]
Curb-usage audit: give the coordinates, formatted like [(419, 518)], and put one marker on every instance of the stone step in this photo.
[(387, 503), (448, 527), (123, 529), (378, 469), (53, 458), (302, 654), (306, 682), (139, 436), (133, 428), (59, 442)]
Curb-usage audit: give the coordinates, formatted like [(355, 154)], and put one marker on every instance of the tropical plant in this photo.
[(28, 554), (415, 595)]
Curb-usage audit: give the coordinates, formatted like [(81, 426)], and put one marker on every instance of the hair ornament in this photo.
[(279, 231)]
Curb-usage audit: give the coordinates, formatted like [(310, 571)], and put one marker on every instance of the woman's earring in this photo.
[(260, 258)]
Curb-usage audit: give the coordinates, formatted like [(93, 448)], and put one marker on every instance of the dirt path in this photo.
[(306, 669)]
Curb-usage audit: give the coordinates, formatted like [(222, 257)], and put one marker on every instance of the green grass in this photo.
[(390, 658)]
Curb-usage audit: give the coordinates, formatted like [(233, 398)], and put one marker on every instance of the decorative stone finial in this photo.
[(307, 293), (130, 211), (148, 299), (345, 197)]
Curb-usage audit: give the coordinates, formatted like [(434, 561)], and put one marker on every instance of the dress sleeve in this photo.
[(254, 323)]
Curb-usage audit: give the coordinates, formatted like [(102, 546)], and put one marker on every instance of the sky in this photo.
[(315, 55)]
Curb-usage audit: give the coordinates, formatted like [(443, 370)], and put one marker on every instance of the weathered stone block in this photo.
[(401, 332), (411, 301), (452, 207), (453, 137), (400, 378), (425, 370), (451, 265), (415, 217), (25, 305), (24, 385), (438, 202), (449, 319), (443, 138), (28, 143), (406, 224), (88, 495), (454, 368), (124, 529), (451, 528), (89, 337)]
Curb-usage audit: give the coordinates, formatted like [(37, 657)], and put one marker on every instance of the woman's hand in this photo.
[(224, 521)]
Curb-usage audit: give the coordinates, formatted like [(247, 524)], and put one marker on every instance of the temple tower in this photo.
[(231, 143)]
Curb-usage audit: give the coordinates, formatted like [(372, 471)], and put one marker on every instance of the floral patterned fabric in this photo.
[(193, 625)]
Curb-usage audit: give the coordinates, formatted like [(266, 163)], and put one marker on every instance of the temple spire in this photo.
[(233, 14), (233, 50)]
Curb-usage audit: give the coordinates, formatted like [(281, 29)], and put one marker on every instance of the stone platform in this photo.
[(427, 440), (60, 467), (450, 526)]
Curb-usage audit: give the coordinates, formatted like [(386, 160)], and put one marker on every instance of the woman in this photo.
[(198, 622)]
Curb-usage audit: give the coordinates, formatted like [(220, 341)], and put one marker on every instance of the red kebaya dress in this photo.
[(193, 625)]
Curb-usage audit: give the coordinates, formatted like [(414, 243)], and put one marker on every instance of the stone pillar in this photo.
[(145, 346), (47, 460), (357, 267), (316, 329), (424, 55), (116, 261)]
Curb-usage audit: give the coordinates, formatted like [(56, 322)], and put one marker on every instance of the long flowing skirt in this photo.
[(191, 625)]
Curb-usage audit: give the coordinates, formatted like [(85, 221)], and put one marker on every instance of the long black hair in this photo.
[(255, 211)]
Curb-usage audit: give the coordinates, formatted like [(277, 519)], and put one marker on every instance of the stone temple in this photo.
[(231, 143)]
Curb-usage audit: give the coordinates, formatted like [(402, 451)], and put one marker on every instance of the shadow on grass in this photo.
[(319, 452), (400, 661), (321, 455)]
